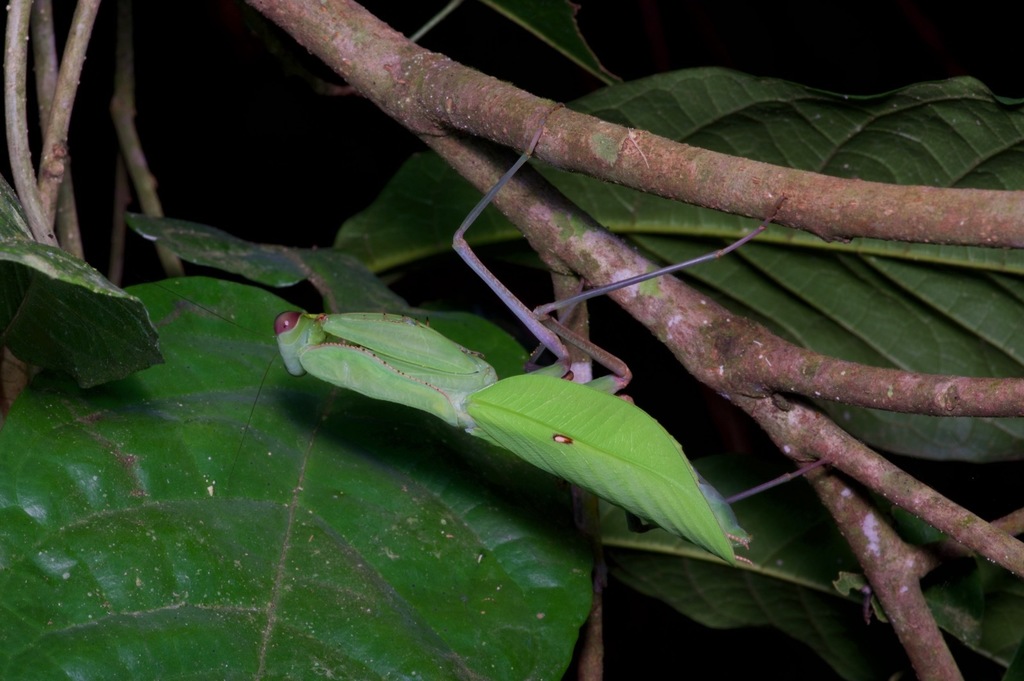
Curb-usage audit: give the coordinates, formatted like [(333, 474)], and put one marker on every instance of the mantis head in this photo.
[(293, 331)]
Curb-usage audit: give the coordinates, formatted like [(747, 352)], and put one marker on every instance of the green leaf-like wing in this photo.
[(606, 445)]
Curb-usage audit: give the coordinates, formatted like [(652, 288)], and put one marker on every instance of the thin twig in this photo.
[(119, 228), (585, 504), (44, 56), (66, 220), (44, 53), (780, 366), (122, 111), (832, 208), (590, 661), (893, 570), (55, 133), (799, 428), (1011, 523), (16, 119)]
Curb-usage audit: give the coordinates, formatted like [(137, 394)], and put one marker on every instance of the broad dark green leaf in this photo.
[(58, 312), (214, 517), (794, 539), (934, 309), (345, 283), (416, 216), (957, 600), (553, 22), (1003, 623), (943, 310), (796, 554), (940, 320), (13, 224), (1015, 672), (726, 599)]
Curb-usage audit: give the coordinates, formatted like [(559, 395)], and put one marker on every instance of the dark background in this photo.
[(238, 144)]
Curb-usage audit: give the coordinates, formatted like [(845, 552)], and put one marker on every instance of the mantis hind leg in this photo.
[(568, 303), (546, 336), (552, 334)]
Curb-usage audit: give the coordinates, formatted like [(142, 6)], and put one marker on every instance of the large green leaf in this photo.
[(345, 283), (796, 553), (941, 310), (720, 599), (214, 517), (416, 215), (58, 312)]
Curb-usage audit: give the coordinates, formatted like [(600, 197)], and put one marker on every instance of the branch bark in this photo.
[(55, 133), (894, 570), (16, 118), (431, 94), (442, 102), (44, 53), (725, 352)]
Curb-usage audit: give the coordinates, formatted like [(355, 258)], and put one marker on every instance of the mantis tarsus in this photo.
[(580, 432)]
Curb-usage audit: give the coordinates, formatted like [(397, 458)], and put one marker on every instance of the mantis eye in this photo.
[(286, 321)]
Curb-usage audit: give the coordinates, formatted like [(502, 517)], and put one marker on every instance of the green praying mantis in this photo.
[(582, 433)]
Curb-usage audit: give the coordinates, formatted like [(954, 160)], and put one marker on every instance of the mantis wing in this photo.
[(610, 447)]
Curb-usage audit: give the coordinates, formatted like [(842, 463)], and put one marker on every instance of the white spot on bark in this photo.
[(869, 526)]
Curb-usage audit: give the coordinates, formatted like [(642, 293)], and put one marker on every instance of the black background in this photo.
[(238, 144)]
